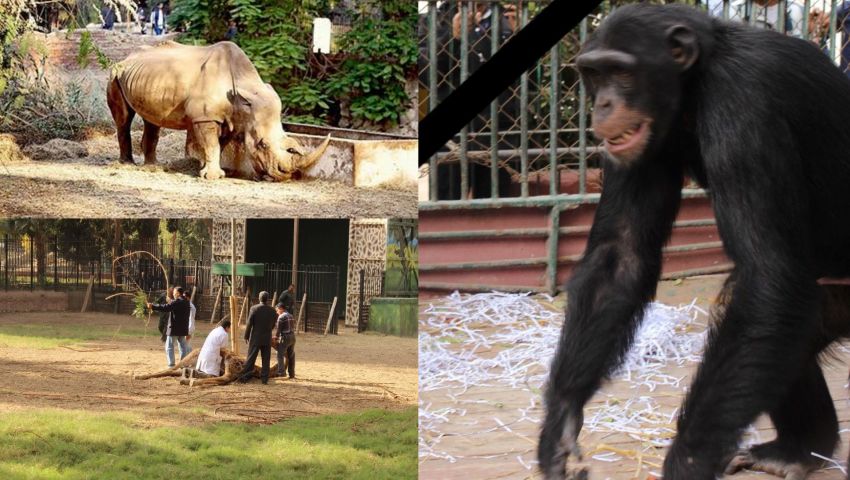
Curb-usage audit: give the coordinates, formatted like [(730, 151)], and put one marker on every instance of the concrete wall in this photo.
[(394, 316)]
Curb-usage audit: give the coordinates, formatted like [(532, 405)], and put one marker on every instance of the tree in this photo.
[(37, 231)]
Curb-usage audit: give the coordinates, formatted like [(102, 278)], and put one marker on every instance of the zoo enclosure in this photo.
[(69, 265), (54, 263), (533, 147), (376, 281), (539, 128)]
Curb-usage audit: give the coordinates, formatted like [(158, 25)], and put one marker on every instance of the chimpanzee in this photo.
[(762, 121)]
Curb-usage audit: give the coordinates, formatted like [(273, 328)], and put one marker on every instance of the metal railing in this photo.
[(533, 146), (27, 262), (320, 282), (534, 136)]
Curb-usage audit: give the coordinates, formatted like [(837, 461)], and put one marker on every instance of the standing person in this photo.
[(288, 298), (178, 324), (158, 19), (140, 19), (258, 336), (285, 333), (163, 316), (209, 360), (231, 31), (192, 312), (108, 14)]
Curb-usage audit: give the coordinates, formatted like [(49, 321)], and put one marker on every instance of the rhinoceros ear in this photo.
[(238, 100)]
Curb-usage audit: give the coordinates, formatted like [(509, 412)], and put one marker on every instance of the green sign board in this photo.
[(242, 269)]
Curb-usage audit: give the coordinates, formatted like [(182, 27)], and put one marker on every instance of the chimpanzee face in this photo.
[(634, 78)]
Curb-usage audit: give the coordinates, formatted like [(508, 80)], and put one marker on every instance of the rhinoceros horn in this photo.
[(310, 159)]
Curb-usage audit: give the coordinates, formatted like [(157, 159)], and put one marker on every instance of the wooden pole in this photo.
[(87, 298), (234, 326), (300, 311), (274, 299), (330, 317), (192, 296), (215, 305), (295, 254)]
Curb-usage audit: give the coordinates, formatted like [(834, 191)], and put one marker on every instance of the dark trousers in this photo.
[(287, 348), (253, 350)]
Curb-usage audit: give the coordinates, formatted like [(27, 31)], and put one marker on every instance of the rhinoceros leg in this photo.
[(150, 137), (206, 136), (123, 115)]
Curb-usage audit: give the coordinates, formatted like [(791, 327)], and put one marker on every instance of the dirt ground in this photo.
[(335, 374), (491, 432), (64, 184)]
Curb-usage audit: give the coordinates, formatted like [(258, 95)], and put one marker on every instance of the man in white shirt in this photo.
[(209, 360)]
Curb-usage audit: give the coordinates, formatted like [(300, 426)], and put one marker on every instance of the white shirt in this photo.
[(158, 17), (209, 360), (192, 311)]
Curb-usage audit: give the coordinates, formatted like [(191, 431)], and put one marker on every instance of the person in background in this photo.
[(288, 298), (842, 24), (231, 31), (140, 19), (764, 14), (163, 316), (192, 311), (108, 14), (285, 334), (158, 19), (258, 336), (178, 324)]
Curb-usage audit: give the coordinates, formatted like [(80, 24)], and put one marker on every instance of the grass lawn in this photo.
[(74, 444), (51, 336)]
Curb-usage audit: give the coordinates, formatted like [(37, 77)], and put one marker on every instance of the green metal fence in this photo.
[(535, 136), (533, 146)]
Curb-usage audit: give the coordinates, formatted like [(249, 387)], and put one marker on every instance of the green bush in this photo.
[(379, 52)]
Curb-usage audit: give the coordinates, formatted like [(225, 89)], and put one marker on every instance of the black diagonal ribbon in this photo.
[(518, 55)]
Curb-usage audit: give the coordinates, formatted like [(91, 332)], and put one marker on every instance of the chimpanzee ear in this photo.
[(683, 45)]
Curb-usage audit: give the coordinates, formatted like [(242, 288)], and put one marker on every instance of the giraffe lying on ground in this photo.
[(233, 365)]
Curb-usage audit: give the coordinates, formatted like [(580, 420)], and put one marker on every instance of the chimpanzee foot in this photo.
[(770, 458), (567, 447)]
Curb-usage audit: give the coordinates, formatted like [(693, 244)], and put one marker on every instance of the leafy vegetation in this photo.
[(368, 79), (382, 55), (31, 107), (61, 444)]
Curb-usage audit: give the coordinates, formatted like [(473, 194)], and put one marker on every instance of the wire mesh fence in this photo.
[(534, 139)]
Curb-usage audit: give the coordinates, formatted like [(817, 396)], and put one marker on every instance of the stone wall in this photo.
[(63, 47)]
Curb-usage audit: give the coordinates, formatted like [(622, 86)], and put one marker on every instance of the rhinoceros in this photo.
[(216, 95)]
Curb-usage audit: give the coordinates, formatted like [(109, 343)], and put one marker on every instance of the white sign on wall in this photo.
[(321, 35)]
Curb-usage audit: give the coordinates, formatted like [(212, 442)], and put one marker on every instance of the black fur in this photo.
[(763, 122)]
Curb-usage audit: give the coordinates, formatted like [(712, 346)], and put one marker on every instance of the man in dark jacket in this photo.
[(163, 317), (258, 335), (288, 298), (178, 324)]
